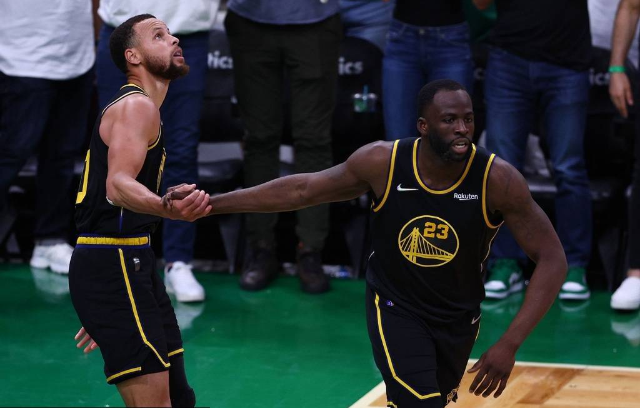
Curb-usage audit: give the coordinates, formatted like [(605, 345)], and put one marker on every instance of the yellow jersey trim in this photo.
[(386, 351), (485, 181), (121, 373), (85, 179), (161, 170), (155, 143), (390, 404), (136, 241), (390, 178), (174, 352), (453, 187), (135, 310), (495, 233), (136, 86)]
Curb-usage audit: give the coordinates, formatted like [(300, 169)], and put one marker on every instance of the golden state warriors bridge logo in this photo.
[(428, 241)]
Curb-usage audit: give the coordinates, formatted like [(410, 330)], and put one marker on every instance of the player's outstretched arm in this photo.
[(128, 128), (509, 194), (366, 169)]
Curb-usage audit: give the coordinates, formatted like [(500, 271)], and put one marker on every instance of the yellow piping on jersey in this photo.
[(136, 86), (161, 170), (85, 179), (135, 241), (386, 351), (495, 233), (453, 187), (135, 310), (154, 144), (121, 373), (485, 180), (174, 352), (390, 179)]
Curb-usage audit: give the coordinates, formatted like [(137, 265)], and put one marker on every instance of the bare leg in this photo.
[(633, 272), (150, 390)]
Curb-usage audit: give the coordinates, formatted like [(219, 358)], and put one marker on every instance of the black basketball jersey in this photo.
[(429, 245), (94, 213)]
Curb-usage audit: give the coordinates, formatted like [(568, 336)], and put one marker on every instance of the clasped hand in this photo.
[(185, 202)]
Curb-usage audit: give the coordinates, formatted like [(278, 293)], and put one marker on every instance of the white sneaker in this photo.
[(180, 281), (57, 257), (627, 296)]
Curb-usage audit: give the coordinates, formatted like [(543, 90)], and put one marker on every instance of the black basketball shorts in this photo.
[(123, 305), (421, 364)]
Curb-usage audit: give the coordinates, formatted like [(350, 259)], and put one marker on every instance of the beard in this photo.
[(158, 68), (444, 150)]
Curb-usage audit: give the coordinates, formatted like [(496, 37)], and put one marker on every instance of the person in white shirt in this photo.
[(46, 75), (190, 21)]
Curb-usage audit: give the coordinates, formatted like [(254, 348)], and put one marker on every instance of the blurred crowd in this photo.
[(537, 80)]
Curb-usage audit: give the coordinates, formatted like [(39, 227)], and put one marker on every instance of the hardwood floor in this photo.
[(549, 386)]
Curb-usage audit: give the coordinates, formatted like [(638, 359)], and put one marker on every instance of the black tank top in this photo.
[(94, 213), (429, 245)]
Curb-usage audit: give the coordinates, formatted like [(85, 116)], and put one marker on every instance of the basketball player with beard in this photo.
[(439, 202), (115, 289)]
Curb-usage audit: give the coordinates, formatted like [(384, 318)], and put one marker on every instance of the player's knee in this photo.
[(183, 398)]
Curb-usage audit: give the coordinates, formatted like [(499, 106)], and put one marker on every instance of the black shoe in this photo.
[(310, 272), (262, 267)]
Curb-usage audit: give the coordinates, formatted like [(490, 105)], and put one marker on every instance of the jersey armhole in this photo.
[(155, 143), (485, 213), (392, 164)]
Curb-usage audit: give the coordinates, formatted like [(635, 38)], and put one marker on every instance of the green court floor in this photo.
[(276, 348)]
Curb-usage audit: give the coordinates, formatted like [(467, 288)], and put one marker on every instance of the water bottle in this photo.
[(365, 101)]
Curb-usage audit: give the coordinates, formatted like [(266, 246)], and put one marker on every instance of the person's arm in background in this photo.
[(509, 195), (482, 4), (624, 29)]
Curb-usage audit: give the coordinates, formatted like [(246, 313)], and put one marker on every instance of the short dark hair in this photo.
[(122, 38), (429, 91)]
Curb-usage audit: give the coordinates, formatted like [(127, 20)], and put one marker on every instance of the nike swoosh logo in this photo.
[(474, 321), (400, 188)]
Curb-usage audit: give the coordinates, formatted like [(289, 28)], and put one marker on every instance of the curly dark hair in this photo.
[(122, 38)]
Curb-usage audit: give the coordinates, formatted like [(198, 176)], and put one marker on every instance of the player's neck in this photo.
[(437, 172), (152, 85)]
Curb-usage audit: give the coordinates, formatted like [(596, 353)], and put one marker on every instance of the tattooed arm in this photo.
[(509, 195)]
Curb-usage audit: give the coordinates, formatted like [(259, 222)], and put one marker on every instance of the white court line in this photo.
[(371, 396), (574, 366), (379, 389)]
